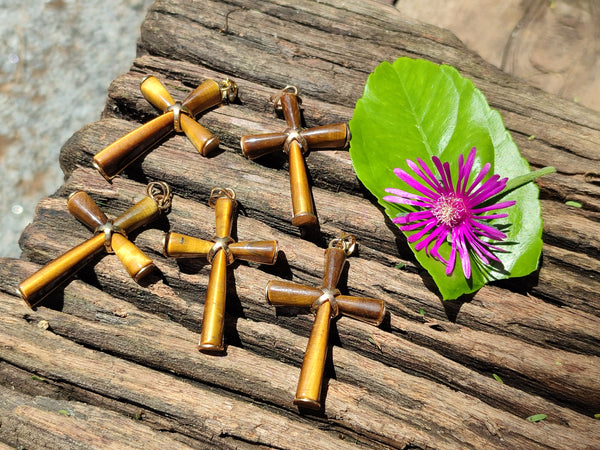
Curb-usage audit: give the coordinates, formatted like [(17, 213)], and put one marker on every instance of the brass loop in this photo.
[(346, 242), (109, 229), (217, 193), (276, 98), (295, 135), (160, 192), (229, 90), (178, 109), (327, 296), (221, 244)]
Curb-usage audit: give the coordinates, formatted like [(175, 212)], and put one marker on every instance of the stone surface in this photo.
[(551, 44), (58, 58)]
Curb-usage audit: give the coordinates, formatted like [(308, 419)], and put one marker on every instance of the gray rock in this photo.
[(58, 58)]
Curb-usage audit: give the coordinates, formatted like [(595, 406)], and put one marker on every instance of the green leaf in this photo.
[(573, 203), (497, 378), (537, 417), (416, 109), (372, 341)]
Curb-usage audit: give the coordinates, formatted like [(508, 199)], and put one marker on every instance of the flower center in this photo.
[(450, 210)]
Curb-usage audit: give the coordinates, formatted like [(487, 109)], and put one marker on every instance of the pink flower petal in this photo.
[(430, 175), (413, 216), (414, 184), (445, 182), (451, 260), (462, 251), (405, 201), (489, 231), (450, 185), (432, 182), (467, 168), (493, 207), (423, 232), (484, 170)]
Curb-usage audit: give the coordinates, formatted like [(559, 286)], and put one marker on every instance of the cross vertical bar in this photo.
[(211, 338)]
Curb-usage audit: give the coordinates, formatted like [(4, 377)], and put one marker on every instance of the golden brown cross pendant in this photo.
[(296, 142), (177, 116), (221, 251), (326, 302), (108, 235)]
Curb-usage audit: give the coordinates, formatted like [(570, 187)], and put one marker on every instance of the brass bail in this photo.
[(221, 244), (327, 296), (109, 229), (228, 90), (178, 109), (346, 242), (160, 192), (276, 98), (218, 193)]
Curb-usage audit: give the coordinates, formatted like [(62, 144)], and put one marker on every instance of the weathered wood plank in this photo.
[(151, 340), (38, 422)]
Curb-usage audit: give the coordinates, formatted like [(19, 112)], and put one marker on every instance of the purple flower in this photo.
[(448, 212)]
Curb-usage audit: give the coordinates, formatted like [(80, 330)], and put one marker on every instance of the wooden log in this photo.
[(151, 340), (425, 378)]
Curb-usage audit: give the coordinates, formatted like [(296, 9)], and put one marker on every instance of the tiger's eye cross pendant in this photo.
[(326, 302), (108, 235), (176, 116), (296, 142), (221, 251)]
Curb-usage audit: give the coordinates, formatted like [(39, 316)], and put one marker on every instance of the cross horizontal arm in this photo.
[(178, 245), (286, 293), (202, 139), (334, 136), (204, 97), (370, 310), (84, 209), (156, 93), (324, 137), (262, 252), (140, 214), (136, 262), (262, 144)]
